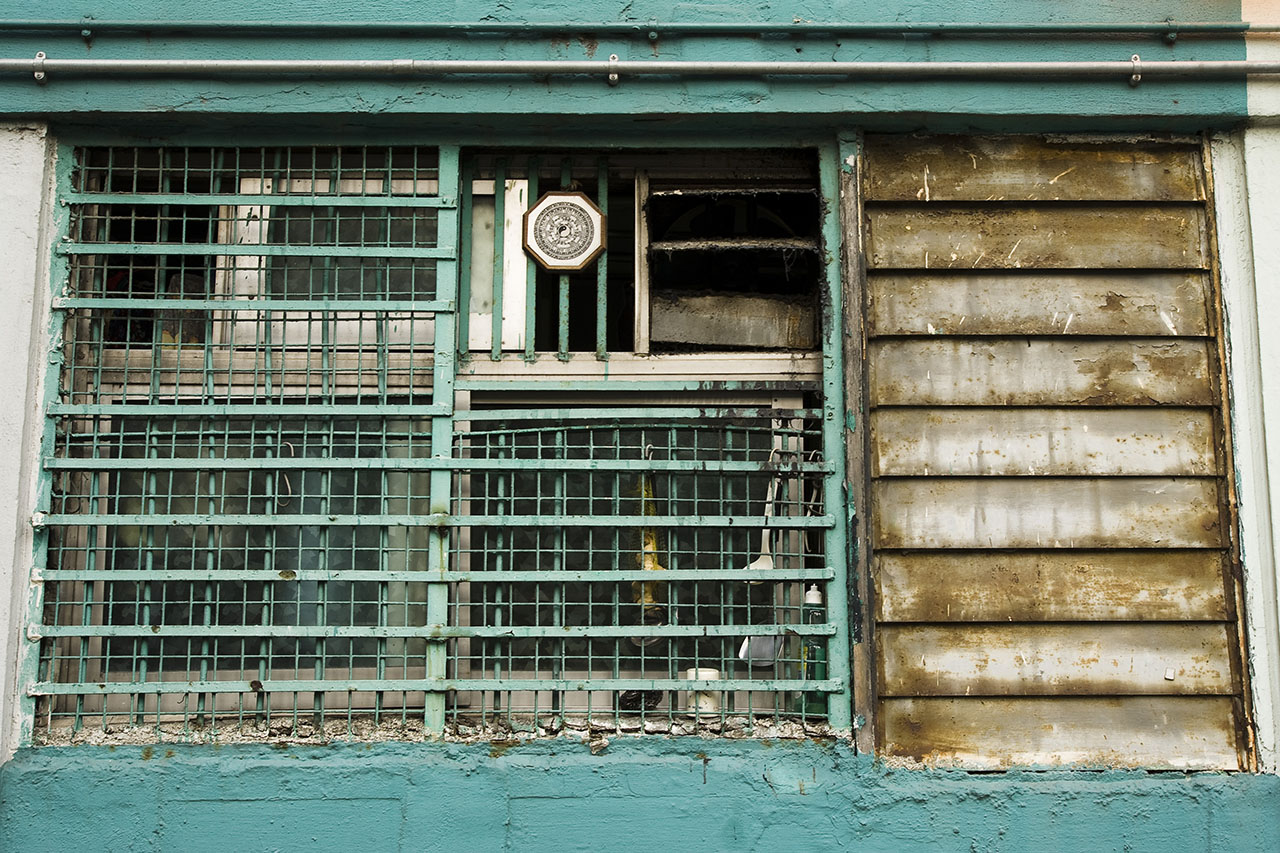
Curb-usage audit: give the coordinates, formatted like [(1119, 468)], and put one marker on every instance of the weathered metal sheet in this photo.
[(1037, 237), (1029, 372), (1021, 303), (1054, 659), (963, 441), (731, 321), (1174, 732), (1036, 512), (1019, 168), (1048, 586)]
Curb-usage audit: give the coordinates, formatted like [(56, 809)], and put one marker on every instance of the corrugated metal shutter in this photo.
[(1052, 541)]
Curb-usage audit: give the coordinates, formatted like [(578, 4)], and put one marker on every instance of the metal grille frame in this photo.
[(260, 509)]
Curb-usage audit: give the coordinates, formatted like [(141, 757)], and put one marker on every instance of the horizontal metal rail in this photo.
[(392, 685), (657, 383), (424, 463), (85, 519), (311, 250), (263, 199), (372, 576), (258, 411), (119, 303), (650, 416), (440, 632), (644, 29), (613, 69)]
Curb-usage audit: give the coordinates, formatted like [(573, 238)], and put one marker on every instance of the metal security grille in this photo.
[(647, 561), (261, 511)]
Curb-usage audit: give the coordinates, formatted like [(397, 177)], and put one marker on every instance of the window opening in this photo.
[(704, 253), (267, 509)]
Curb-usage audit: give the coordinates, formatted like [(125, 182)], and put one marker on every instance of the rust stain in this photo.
[(499, 748), (1112, 301)]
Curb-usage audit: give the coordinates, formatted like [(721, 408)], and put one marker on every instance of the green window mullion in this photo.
[(836, 598), (442, 440)]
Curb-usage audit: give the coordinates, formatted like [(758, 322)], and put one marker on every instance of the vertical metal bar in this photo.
[(840, 712), (558, 564), (465, 205), (441, 480), (602, 264), (499, 241), (328, 339), (562, 311), (382, 344), (206, 662), (531, 274), (271, 482)]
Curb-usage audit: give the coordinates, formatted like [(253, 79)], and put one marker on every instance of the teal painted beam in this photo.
[(638, 12), (549, 106)]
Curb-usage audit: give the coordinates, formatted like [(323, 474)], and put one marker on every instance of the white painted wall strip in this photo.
[(1246, 196), (26, 175)]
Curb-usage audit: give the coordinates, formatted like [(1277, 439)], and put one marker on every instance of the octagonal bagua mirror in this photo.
[(564, 231)]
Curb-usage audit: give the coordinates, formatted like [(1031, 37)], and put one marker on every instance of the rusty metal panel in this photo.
[(1048, 586), (1023, 303), (1046, 512), (990, 442), (1158, 732), (732, 321), (1020, 168), (1127, 236), (1054, 659), (1030, 372)]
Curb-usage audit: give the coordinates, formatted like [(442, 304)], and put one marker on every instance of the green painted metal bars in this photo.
[(260, 505)]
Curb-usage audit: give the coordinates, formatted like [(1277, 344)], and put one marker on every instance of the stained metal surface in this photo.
[(1159, 732), (732, 322), (1046, 512), (1042, 442), (1037, 237), (1046, 496), (1039, 372), (1016, 168), (1051, 586), (1050, 660), (957, 302)]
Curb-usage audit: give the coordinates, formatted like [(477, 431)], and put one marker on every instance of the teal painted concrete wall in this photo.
[(636, 795), (521, 102)]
